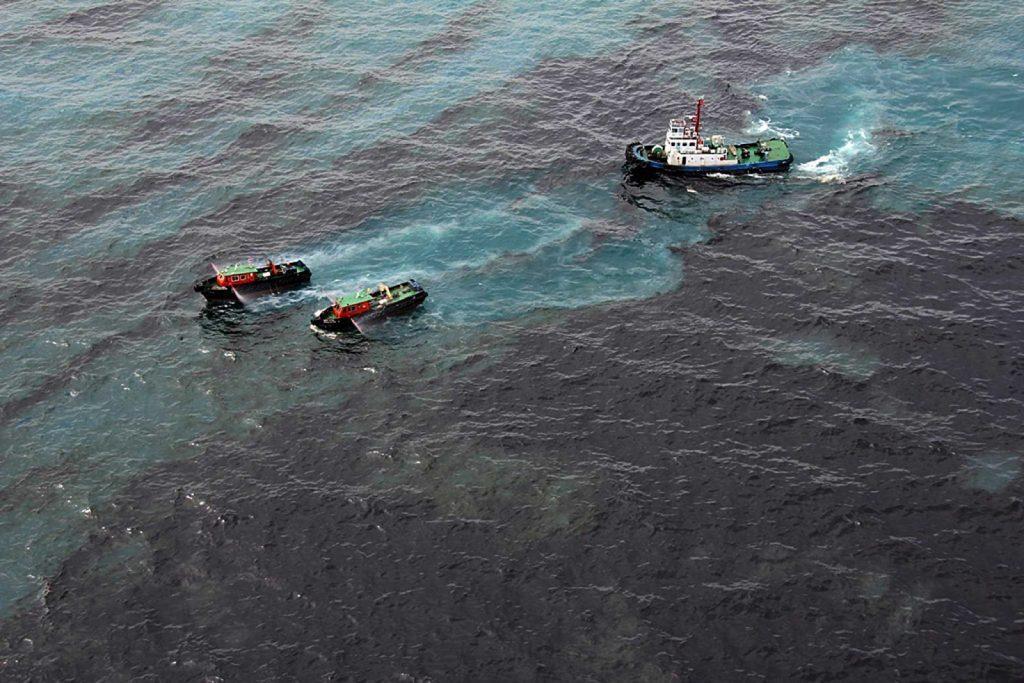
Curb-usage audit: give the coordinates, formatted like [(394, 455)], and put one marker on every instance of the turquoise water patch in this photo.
[(936, 123), (992, 472), (474, 487), (825, 352), (485, 252)]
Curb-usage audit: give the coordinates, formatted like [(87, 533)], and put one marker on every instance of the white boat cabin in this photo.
[(685, 147)]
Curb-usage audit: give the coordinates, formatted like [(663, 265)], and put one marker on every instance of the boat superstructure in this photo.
[(686, 151)]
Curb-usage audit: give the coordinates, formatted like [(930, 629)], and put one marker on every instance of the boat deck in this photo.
[(778, 154), (398, 292), (778, 150)]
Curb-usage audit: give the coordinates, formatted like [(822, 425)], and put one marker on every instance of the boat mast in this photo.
[(696, 123)]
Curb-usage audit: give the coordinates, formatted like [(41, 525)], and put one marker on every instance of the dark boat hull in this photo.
[(638, 158), (328, 323), (291, 278)]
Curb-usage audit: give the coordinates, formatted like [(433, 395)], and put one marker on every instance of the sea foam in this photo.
[(765, 126), (835, 165)]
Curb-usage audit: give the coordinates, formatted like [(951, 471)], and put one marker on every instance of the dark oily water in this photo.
[(641, 430)]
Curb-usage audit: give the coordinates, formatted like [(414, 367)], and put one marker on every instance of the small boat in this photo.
[(353, 310), (685, 152), (243, 280)]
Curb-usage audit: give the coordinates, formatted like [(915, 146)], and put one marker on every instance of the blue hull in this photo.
[(636, 156)]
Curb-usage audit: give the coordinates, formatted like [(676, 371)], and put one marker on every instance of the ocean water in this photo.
[(711, 429)]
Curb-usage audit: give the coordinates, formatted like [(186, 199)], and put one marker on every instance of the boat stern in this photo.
[(778, 151), (635, 153)]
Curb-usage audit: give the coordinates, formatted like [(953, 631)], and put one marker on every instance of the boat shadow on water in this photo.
[(663, 194), (250, 315), (238, 321), (237, 329), (394, 329)]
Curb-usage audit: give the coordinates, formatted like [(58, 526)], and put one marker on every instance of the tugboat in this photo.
[(685, 152), (351, 311), (242, 280)]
